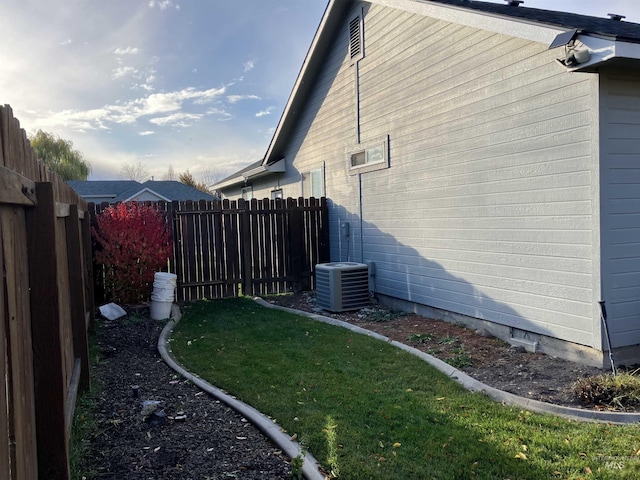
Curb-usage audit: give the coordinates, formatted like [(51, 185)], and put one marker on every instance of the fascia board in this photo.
[(603, 50), (146, 189), (229, 183)]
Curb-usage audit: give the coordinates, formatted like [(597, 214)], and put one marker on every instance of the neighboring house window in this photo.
[(356, 37), (247, 193), (313, 183), (369, 156), (276, 194)]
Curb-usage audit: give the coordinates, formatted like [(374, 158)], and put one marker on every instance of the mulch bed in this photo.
[(181, 433), (492, 361)]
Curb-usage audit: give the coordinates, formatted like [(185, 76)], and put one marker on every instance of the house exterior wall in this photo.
[(98, 199), (487, 207), (620, 171), (146, 196)]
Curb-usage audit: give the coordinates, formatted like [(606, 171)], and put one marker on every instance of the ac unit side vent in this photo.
[(342, 286)]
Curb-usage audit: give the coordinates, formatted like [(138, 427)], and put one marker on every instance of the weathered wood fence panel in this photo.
[(46, 307), (225, 248)]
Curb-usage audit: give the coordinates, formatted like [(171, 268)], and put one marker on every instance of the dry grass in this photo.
[(620, 392)]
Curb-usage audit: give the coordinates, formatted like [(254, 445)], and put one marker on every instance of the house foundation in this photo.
[(532, 342)]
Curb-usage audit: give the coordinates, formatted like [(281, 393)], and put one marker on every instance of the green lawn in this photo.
[(367, 410)]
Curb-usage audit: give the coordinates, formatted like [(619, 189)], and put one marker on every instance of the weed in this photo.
[(420, 337), (296, 466), (332, 447), (615, 391), (379, 314), (460, 359), (85, 424), (447, 340)]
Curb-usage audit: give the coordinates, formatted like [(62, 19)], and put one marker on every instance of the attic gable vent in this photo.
[(355, 38)]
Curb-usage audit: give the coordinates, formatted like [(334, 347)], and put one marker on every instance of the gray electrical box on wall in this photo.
[(342, 286), (344, 229)]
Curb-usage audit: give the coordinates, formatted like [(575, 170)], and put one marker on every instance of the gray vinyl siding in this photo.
[(487, 207), (621, 202)]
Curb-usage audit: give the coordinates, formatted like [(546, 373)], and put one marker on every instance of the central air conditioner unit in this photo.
[(342, 286)]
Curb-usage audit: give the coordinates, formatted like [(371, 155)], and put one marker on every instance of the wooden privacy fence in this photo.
[(46, 306), (258, 247)]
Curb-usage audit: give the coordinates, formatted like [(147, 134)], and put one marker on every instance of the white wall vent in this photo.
[(342, 286)]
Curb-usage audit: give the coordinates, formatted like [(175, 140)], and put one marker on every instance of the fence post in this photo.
[(245, 239), (76, 292), (45, 325), (99, 292), (324, 251), (296, 242), (89, 281)]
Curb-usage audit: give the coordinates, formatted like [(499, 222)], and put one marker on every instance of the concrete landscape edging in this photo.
[(474, 385)]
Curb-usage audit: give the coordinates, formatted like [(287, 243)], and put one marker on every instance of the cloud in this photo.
[(177, 119), (165, 106), (237, 98), (220, 113), (248, 65), (121, 72), (265, 112), (127, 51), (146, 132), (163, 4)]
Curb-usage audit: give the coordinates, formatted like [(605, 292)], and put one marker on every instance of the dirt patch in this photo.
[(180, 433), (492, 361)]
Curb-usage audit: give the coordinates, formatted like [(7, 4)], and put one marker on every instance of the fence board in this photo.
[(205, 232), (15, 188), (76, 297), (48, 356), (20, 364), (219, 291), (5, 410)]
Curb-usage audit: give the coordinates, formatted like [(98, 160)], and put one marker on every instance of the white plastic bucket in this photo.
[(165, 277), (164, 286), (160, 310)]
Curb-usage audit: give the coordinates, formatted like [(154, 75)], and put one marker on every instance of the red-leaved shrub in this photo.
[(133, 242)]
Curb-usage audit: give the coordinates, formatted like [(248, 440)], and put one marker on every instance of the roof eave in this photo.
[(257, 172), (604, 50)]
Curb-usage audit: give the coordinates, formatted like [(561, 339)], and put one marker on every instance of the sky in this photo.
[(196, 85)]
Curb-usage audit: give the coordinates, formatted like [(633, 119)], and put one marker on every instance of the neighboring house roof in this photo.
[(169, 190), (125, 190), (104, 188), (612, 39)]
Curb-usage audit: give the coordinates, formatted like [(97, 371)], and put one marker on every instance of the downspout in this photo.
[(361, 221)]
